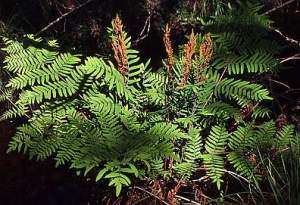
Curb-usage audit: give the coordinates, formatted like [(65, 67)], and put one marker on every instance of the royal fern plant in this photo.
[(118, 120)]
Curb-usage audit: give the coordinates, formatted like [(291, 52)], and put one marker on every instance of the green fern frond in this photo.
[(265, 133), (217, 140), (6, 94), (55, 71), (242, 139), (221, 109), (241, 165), (214, 166), (241, 89), (261, 112), (100, 70), (166, 131), (194, 146), (14, 112), (285, 136), (258, 62), (12, 46)]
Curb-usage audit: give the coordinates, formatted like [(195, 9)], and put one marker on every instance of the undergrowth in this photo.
[(203, 113)]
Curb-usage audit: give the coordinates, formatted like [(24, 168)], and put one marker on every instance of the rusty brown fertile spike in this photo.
[(189, 51), (206, 53), (169, 50), (119, 46)]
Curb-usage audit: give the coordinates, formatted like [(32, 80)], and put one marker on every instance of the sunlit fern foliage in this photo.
[(117, 120), (84, 113)]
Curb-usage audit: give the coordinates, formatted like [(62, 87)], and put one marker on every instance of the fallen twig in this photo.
[(151, 194), (294, 57), (278, 7), (187, 200), (145, 31), (293, 41), (280, 83), (62, 17)]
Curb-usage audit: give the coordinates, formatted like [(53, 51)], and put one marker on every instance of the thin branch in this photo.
[(145, 31), (140, 200), (280, 83), (293, 41), (201, 179), (151, 194), (11, 102), (278, 7), (187, 200), (237, 176), (293, 90), (62, 17), (294, 57)]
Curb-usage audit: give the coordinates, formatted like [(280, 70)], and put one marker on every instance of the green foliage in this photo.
[(116, 126)]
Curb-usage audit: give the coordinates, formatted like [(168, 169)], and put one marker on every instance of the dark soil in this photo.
[(26, 182)]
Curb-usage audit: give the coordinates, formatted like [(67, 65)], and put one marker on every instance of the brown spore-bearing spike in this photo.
[(205, 55), (189, 51), (169, 51), (119, 46)]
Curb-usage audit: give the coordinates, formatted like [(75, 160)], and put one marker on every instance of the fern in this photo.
[(242, 165), (284, 137), (259, 62), (214, 165), (241, 89), (242, 139), (215, 144), (191, 156), (118, 120)]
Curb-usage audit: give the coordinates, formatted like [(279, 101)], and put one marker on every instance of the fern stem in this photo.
[(151, 194), (210, 96), (189, 200), (62, 17), (12, 102), (278, 7)]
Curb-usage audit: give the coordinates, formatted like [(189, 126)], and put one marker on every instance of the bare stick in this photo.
[(294, 57), (280, 83), (187, 200), (145, 31), (151, 194), (278, 7), (293, 41), (62, 17)]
